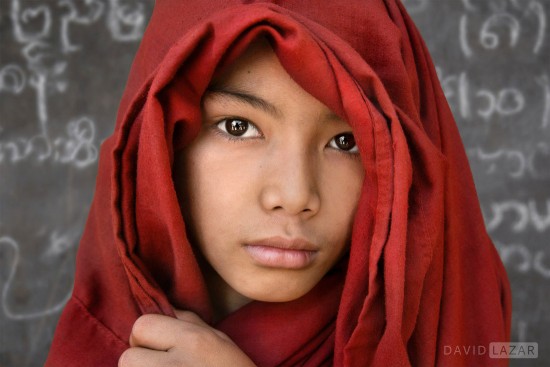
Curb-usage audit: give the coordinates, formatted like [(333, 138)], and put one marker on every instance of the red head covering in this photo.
[(422, 275)]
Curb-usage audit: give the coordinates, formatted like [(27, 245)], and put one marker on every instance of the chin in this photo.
[(276, 297), (281, 291)]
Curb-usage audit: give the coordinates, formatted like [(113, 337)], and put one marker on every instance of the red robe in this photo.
[(422, 274)]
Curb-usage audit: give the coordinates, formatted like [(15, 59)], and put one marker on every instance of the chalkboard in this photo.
[(493, 60), (63, 67)]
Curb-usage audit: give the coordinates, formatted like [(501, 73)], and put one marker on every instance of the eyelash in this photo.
[(232, 138), (348, 154)]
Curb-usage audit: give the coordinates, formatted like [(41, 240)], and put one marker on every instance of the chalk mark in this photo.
[(10, 314)]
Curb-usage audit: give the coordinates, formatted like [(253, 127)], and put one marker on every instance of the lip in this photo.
[(279, 252)]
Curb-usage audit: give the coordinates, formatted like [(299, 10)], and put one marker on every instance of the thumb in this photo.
[(193, 318), (189, 317)]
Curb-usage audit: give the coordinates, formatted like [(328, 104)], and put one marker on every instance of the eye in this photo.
[(240, 128), (344, 142)]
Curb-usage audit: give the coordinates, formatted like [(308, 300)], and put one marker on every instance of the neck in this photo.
[(224, 298)]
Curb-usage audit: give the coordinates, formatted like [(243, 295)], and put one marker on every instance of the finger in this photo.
[(190, 317), (193, 318), (157, 332), (142, 357)]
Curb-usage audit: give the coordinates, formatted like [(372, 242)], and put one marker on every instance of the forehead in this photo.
[(257, 78), (256, 64)]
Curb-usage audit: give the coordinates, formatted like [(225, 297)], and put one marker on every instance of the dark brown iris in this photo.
[(236, 127), (345, 141)]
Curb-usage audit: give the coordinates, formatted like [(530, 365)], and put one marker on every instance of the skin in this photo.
[(158, 340), (290, 171)]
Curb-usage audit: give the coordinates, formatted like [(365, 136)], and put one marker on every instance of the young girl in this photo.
[(285, 186)]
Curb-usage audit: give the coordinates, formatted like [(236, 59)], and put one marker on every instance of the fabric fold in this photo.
[(421, 272)]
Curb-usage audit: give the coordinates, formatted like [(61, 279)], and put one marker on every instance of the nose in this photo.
[(291, 183)]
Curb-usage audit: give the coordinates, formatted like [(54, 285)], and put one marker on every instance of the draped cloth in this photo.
[(422, 276)]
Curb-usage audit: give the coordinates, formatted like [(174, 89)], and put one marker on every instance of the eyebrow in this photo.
[(245, 97)]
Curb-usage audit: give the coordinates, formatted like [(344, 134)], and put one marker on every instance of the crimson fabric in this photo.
[(422, 274)]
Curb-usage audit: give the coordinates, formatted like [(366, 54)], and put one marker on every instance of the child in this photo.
[(285, 186)]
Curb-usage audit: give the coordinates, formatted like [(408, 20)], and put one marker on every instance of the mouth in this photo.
[(278, 252)]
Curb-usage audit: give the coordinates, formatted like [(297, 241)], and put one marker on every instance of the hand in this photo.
[(158, 340)]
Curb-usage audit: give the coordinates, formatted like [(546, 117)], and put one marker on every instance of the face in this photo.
[(270, 186)]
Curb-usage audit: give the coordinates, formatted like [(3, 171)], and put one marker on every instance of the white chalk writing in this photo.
[(544, 82), (126, 23), (416, 6), (95, 9), (503, 21), (523, 215), (10, 243), (53, 99), (32, 25), (514, 163), (125, 20), (39, 15), (538, 11), (77, 148), (470, 102), (520, 258), (12, 79), (522, 330)]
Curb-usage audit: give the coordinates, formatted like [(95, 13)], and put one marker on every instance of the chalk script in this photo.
[(506, 17), (58, 244), (34, 27)]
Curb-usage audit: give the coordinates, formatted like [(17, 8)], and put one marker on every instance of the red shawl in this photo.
[(423, 275)]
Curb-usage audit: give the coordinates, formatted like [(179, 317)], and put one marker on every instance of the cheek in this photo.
[(342, 184), (220, 189)]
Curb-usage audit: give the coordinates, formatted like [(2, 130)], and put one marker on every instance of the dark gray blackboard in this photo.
[(63, 66), (493, 60)]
